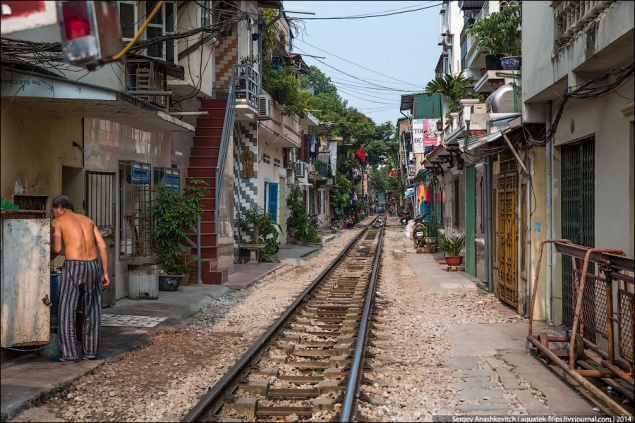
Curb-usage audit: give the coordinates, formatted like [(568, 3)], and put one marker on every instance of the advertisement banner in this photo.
[(417, 136), (429, 128)]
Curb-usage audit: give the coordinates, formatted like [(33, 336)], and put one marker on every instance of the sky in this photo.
[(384, 57)]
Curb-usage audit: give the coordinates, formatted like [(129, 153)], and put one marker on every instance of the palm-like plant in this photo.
[(451, 86)]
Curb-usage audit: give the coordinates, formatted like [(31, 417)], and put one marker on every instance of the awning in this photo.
[(498, 126), (61, 96), (409, 193)]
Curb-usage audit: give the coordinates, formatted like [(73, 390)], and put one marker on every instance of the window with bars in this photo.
[(100, 201), (167, 177), (135, 199)]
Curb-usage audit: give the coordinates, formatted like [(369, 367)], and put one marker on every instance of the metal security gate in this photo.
[(100, 207), (578, 213), (507, 236)]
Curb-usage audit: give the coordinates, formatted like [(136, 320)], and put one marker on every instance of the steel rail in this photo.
[(213, 394), (360, 347)]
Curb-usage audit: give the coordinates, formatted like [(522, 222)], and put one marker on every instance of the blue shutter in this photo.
[(273, 201)]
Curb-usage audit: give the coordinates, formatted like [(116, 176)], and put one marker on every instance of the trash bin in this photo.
[(56, 275)]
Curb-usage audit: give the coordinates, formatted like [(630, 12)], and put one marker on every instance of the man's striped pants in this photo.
[(80, 277)]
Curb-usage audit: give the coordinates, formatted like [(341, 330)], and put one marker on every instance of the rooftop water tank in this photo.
[(502, 100)]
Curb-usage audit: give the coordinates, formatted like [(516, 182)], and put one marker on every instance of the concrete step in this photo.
[(202, 173), (205, 151), (205, 162), (213, 103)]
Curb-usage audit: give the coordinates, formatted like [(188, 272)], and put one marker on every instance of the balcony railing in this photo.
[(247, 84), (321, 168), (572, 16)]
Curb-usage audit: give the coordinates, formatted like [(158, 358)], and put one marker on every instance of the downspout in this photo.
[(548, 235), (527, 220)]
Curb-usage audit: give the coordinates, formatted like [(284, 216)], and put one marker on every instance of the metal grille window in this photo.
[(135, 191), (100, 201), (167, 177)]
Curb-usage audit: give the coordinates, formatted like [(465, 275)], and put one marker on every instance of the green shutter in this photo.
[(427, 106)]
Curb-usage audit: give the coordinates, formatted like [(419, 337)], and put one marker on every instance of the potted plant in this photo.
[(499, 35), (175, 212), (430, 233), (261, 223), (452, 248)]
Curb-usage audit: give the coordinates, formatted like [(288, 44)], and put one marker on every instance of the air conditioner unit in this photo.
[(264, 107), (448, 40), (444, 30), (300, 170), (441, 40)]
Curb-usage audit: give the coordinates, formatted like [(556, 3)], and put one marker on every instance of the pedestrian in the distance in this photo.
[(81, 275)]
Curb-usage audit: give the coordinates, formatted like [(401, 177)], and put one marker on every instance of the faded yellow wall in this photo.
[(34, 147)]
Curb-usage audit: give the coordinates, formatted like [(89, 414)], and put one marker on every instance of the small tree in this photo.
[(498, 33), (299, 225), (174, 213)]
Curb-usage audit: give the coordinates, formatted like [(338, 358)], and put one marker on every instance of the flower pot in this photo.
[(492, 61), (511, 62), (169, 282), (453, 260)]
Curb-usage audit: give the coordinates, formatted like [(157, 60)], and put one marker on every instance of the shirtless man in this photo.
[(81, 274)]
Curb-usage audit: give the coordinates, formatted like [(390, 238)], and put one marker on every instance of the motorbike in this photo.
[(271, 239), (418, 232), (404, 217)]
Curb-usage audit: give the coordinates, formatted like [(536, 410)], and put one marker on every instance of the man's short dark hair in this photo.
[(64, 201)]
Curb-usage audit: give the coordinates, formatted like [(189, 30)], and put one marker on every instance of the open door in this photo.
[(100, 207)]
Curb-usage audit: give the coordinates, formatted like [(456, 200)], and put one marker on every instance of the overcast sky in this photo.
[(403, 47)]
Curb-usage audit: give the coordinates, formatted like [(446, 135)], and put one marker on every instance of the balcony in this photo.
[(319, 171), (572, 16), (282, 130), (247, 88)]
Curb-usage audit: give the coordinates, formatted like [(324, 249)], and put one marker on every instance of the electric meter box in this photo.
[(90, 31)]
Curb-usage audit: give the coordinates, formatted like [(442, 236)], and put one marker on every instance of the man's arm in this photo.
[(56, 239), (103, 252)]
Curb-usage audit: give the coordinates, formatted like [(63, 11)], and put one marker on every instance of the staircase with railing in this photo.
[(212, 140)]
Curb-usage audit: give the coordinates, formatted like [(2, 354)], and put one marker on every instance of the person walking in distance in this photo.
[(81, 275)]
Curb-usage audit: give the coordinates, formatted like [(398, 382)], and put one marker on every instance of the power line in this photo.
[(380, 15), (356, 64)]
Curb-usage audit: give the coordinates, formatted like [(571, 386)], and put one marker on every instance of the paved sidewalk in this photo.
[(488, 357)]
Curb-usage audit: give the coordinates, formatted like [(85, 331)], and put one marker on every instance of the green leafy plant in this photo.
[(453, 87), (254, 218), (299, 224), (174, 213), (498, 33), (430, 230), (452, 246)]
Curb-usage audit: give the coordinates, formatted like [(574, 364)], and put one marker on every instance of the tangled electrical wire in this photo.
[(50, 55), (592, 89)]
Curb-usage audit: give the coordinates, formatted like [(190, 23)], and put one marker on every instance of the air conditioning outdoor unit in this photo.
[(300, 170), (264, 107), (441, 40), (444, 29)]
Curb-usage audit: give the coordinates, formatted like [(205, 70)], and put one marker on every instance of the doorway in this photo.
[(507, 234)]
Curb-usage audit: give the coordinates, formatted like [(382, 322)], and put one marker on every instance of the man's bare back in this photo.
[(77, 232), (79, 235)]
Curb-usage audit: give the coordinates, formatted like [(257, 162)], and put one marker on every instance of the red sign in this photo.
[(23, 15)]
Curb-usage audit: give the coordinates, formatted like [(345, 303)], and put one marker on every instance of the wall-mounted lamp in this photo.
[(469, 90), (439, 125)]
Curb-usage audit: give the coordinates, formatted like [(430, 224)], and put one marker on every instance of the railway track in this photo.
[(309, 363)]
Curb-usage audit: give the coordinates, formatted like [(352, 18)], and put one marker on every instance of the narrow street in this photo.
[(448, 349)]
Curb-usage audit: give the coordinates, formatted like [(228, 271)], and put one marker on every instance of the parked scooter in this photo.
[(404, 217), (271, 239), (418, 232)]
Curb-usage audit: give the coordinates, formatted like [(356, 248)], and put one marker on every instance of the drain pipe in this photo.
[(548, 235)]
